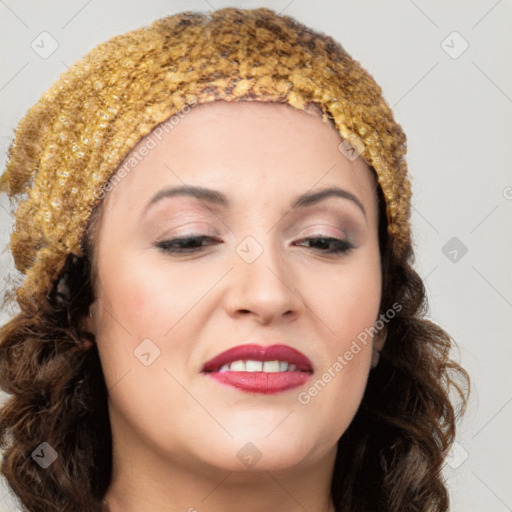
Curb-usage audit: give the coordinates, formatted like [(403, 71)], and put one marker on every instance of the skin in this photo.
[(177, 432)]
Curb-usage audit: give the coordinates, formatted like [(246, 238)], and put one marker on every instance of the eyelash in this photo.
[(341, 246)]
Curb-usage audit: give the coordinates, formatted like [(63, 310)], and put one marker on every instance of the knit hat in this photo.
[(71, 142)]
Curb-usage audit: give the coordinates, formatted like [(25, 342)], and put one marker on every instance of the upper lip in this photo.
[(259, 353)]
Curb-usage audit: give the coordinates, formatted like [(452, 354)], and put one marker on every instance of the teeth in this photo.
[(237, 366), (253, 366), (258, 366), (271, 366)]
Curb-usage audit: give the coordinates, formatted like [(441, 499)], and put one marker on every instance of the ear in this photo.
[(87, 325), (87, 322), (379, 340)]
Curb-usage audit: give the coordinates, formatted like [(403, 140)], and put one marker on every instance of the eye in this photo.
[(329, 245), (184, 245)]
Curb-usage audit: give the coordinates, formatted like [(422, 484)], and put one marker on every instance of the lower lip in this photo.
[(261, 382)]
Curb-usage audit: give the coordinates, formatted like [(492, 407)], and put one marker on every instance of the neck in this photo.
[(141, 482), (269, 494)]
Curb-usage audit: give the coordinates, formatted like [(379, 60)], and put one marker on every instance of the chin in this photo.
[(252, 458), (252, 449)]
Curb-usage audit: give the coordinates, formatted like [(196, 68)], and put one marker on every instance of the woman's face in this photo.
[(251, 278)]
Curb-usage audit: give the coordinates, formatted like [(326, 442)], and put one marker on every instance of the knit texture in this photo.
[(70, 143)]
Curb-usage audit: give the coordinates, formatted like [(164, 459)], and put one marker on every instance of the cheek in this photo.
[(145, 298), (347, 300), (350, 309), (347, 305)]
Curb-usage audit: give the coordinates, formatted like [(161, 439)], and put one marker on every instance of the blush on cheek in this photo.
[(124, 285), (138, 304)]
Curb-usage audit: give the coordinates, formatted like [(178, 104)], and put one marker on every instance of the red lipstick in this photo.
[(258, 369)]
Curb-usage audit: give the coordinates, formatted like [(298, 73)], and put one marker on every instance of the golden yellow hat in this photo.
[(70, 143)]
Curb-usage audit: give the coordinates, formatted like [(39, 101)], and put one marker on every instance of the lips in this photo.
[(280, 368)]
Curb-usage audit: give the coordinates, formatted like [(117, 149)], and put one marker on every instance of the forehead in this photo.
[(243, 147)]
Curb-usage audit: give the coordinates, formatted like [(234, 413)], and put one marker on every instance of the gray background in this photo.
[(455, 107)]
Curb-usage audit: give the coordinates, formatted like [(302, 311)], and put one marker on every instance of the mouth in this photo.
[(257, 369)]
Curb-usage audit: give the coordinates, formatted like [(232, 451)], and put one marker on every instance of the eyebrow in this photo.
[(215, 197)]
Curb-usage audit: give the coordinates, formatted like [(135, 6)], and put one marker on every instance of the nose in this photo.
[(264, 289)]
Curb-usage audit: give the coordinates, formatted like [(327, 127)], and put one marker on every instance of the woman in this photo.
[(220, 309)]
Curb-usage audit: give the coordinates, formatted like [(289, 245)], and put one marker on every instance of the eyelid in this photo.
[(321, 229), (194, 228), (341, 226)]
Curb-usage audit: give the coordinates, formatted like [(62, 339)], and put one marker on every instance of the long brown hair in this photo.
[(389, 459)]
